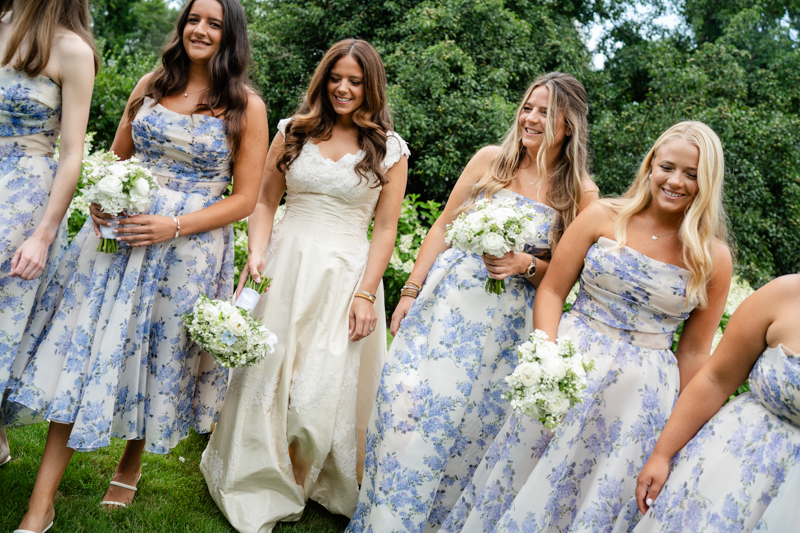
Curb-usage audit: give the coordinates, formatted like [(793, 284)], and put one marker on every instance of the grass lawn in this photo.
[(172, 493)]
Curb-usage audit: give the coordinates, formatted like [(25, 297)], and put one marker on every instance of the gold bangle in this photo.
[(409, 292), (409, 282), (365, 296)]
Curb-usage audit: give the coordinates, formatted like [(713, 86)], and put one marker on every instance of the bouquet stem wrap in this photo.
[(248, 299), (108, 244)]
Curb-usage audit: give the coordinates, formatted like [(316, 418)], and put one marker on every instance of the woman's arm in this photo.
[(247, 171), (434, 243), (384, 234), (259, 224), (76, 73), (697, 336), (566, 266), (739, 349)]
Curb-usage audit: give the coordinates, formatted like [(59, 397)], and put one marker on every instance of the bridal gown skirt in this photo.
[(288, 430)]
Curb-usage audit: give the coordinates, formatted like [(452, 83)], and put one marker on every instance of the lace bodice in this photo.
[(30, 114), (311, 173), (775, 381), (188, 153), (628, 295)]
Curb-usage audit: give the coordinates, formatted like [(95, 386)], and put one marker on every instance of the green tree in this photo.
[(129, 26)]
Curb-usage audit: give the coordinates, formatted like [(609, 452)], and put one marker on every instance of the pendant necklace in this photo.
[(655, 237), (186, 95)]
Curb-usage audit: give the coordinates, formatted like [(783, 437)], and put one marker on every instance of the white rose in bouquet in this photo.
[(501, 215), (558, 403), (109, 186), (555, 367), (236, 324), (140, 195), (529, 374), (494, 244)]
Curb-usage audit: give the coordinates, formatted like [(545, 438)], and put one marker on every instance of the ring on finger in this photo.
[(372, 329)]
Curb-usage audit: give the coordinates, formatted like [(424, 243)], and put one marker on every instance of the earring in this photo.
[(569, 134)]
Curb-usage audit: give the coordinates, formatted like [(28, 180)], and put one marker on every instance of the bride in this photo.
[(287, 431)]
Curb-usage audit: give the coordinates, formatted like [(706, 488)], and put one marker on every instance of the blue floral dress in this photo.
[(30, 121), (739, 473), (440, 402), (582, 476), (109, 351)]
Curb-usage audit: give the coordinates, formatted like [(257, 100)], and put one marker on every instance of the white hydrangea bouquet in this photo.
[(230, 333), (549, 379), (115, 186), (492, 229)]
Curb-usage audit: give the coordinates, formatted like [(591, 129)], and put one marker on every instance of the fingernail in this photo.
[(109, 224), (118, 238), (350, 332), (649, 501)]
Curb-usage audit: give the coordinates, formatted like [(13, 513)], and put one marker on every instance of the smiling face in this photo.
[(532, 121), (203, 31), (346, 86), (673, 178)]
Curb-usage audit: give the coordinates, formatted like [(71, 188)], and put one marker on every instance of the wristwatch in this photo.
[(531, 268)]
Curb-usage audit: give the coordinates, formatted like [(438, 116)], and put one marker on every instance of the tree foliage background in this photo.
[(457, 69)]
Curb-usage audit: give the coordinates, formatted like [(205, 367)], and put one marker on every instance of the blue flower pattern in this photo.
[(581, 476), (739, 473), (30, 121), (107, 346), (440, 402)]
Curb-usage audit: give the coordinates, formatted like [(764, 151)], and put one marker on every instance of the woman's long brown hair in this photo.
[(227, 70), (35, 25), (316, 116)]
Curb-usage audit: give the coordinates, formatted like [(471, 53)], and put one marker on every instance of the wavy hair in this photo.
[(316, 116), (568, 98), (35, 24), (227, 70), (705, 221)]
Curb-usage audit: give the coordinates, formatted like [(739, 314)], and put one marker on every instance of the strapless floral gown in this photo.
[(109, 351), (288, 430), (740, 472), (440, 403), (581, 477), (30, 122)]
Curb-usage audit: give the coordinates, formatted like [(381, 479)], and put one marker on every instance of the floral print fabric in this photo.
[(109, 351), (30, 121), (738, 474), (288, 431), (440, 402), (582, 476)]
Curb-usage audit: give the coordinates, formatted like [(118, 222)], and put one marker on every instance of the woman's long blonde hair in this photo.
[(568, 97), (35, 25), (705, 222)]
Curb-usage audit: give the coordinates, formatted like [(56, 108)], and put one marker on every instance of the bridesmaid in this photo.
[(648, 262), (110, 355), (441, 402), (288, 429), (731, 475), (46, 76)]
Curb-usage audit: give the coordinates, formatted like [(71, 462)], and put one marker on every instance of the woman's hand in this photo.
[(30, 258), (651, 480), (99, 218), (256, 264), (148, 229), (362, 318), (400, 312), (508, 265)]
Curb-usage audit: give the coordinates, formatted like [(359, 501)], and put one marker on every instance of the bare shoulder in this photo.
[(69, 47), (486, 155), (723, 259), (602, 211), (588, 185), (781, 287), (255, 105)]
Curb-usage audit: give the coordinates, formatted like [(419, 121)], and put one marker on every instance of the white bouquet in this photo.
[(115, 186), (493, 229), (231, 333), (549, 379)]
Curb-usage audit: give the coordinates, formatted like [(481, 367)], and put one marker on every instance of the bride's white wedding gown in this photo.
[(288, 429)]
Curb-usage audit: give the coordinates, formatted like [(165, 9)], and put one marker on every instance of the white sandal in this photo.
[(29, 531), (8, 460), (124, 486)]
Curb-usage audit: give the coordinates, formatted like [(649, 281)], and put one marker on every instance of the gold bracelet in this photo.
[(365, 296), (410, 293), (409, 282)]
